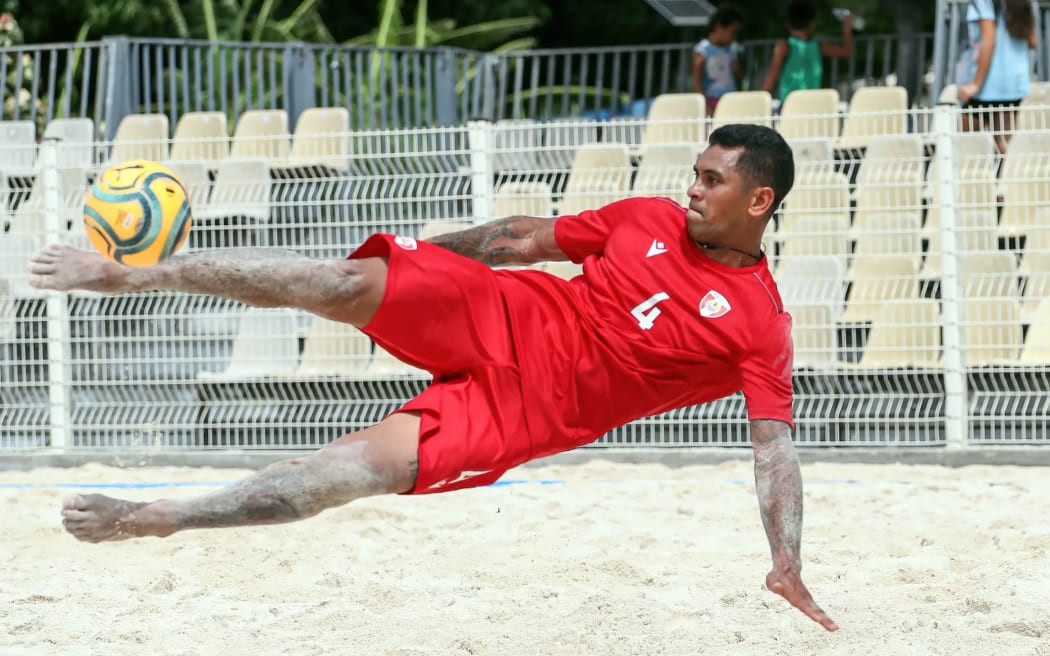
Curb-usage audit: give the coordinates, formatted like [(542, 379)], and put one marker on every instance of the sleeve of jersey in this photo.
[(766, 374), (584, 234)]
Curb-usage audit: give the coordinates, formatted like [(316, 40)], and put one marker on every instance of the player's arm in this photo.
[(514, 240), (776, 65), (778, 482), (844, 49)]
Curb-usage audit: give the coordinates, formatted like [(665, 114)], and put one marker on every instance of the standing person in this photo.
[(1001, 33), (716, 61), (798, 61), (675, 307)]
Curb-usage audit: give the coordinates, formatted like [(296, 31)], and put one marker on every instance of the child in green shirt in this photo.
[(798, 60)]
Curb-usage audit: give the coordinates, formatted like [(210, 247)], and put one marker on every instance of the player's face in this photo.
[(718, 197)]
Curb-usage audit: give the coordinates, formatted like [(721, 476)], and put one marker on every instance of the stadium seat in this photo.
[(814, 334), (975, 232), (238, 208), (903, 335), (1034, 112), (434, 228), (897, 233), (809, 114), (385, 365), (991, 331), (194, 176), (675, 118), (813, 155), (874, 112), (29, 217), (140, 136), (563, 270), (743, 107), (1035, 269), (1026, 194), (815, 234), (262, 134), (1036, 349), (561, 140), (322, 139), (877, 280), (17, 149), (15, 249), (812, 279), (200, 136), (266, 344), (890, 179), (665, 170), (516, 144), (333, 348), (601, 174), (975, 173), (949, 95), (988, 275), (815, 193), (76, 137), (523, 199)]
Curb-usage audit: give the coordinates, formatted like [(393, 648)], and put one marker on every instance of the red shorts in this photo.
[(445, 313)]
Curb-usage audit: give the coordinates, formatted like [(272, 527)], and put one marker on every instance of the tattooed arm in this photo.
[(515, 240), (778, 482)]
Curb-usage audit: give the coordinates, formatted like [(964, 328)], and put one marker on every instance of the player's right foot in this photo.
[(63, 268), (98, 518)]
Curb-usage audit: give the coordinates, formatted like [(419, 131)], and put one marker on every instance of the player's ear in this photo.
[(760, 201)]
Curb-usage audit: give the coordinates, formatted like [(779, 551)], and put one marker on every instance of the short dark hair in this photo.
[(800, 14), (726, 15), (766, 159)]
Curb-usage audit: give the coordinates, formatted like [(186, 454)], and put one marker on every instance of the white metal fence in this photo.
[(914, 257)]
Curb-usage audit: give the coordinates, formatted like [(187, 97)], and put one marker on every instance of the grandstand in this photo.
[(912, 257)]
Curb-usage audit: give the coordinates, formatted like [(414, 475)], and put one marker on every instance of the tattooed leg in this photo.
[(378, 460)]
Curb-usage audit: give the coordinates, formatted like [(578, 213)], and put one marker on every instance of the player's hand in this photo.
[(788, 584)]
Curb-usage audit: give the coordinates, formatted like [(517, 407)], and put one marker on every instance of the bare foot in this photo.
[(98, 518), (63, 268)]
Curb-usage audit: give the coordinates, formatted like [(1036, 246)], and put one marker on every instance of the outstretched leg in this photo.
[(341, 290), (381, 459)]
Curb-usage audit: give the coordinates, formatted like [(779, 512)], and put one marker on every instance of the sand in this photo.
[(602, 559)]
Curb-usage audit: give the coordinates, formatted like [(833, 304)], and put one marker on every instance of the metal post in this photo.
[(117, 84), (481, 174), (940, 54), (944, 121), (299, 75), (445, 87), (57, 304)]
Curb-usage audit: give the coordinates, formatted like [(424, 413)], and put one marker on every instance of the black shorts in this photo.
[(991, 104)]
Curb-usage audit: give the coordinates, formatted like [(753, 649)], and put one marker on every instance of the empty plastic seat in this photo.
[(524, 199), (237, 209), (754, 107), (1034, 112), (262, 134), (889, 234), (434, 228), (816, 193), (809, 114), (877, 280), (890, 179), (322, 139), (988, 275), (991, 331), (1036, 348), (665, 170), (974, 179), (17, 148), (814, 334), (675, 118), (140, 136), (201, 136), (974, 233), (813, 155), (76, 141), (194, 176), (333, 348), (15, 249), (1035, 268), (266, 344), (1026, 194), (874, 112), (816, 234), (903, 335), (812, 279), (601, 174)]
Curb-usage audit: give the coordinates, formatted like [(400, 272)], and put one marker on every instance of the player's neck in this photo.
[(730, 255)]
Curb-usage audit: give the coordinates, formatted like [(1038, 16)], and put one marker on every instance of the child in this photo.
[(716, 66), (798, 61)]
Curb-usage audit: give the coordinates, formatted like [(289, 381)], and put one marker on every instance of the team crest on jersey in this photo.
[(407, 243), (714, 305)]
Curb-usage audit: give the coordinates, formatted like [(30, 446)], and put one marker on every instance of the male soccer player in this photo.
[(675, 307)]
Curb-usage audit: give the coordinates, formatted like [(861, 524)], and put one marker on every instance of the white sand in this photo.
[(908, 560)]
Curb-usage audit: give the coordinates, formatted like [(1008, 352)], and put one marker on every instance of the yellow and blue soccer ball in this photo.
[(137, 213)]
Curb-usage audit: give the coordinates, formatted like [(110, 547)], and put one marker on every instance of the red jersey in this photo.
[(652, 324)]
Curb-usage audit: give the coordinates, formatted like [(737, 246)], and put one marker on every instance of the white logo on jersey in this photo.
[(407, 243), (656, 248), (714, 305), (462, 477)]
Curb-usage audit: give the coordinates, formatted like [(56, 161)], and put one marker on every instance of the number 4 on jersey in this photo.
[(646, 311)]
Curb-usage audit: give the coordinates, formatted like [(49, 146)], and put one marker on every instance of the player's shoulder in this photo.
[(765, 295)]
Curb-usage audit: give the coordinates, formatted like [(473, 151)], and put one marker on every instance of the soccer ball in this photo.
[(137, 213)]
